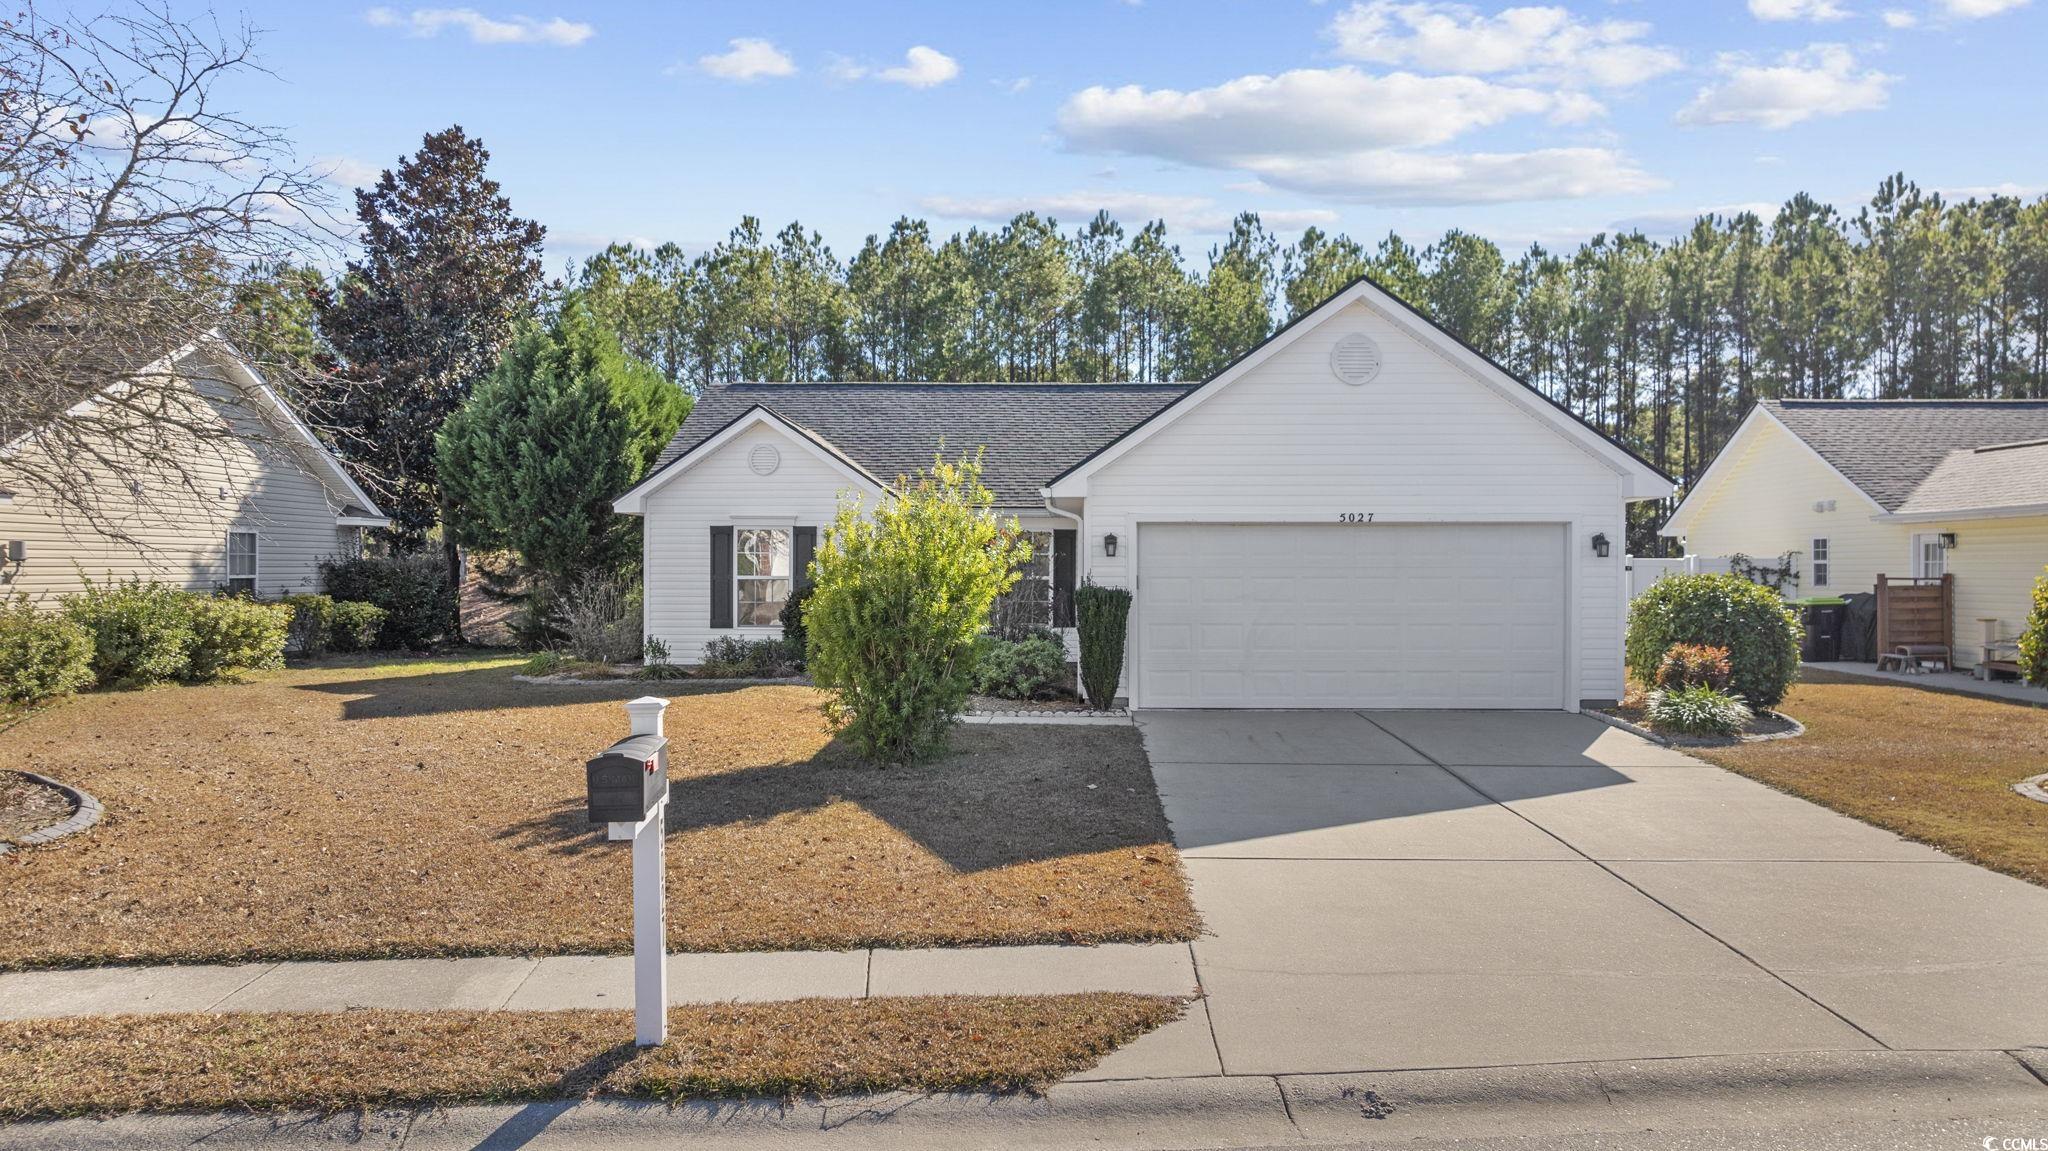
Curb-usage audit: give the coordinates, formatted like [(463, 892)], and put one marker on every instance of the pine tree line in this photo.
[(1663, 344)]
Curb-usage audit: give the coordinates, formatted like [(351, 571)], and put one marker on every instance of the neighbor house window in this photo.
[(761, 562), (1820, 563), (1930, 559), (242, 563), (1028, 603)]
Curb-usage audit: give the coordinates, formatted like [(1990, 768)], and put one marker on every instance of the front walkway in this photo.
[(1408, 890), (1959, 682)]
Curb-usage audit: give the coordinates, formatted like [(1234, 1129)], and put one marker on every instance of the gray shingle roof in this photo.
[(1889, 448), (1031, 432), (2000, 476)]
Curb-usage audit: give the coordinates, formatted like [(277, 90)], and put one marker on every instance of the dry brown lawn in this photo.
[(436, 808), (1931, 766), (330, 1061)]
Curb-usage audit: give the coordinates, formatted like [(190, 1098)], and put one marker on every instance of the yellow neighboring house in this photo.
[(1899, 488), (254, 505)]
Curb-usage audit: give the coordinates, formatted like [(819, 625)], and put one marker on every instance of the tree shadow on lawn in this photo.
[(491, 689), (1003, 796)]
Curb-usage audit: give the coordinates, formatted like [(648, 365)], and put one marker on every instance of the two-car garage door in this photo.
[(1370, 615)]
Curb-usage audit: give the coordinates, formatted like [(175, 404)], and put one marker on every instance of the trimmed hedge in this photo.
[(1751, 621), (412, 590), (1028, 668), (230, 634), (354, 625), (141, 631), (1101, 614), (42, 654)]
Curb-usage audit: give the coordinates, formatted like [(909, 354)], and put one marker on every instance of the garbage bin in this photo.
[(1824, 617)]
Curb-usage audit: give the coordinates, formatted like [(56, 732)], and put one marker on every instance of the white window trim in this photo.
[(1820, 561), (1920, 542), (788, 531), (255, 576)]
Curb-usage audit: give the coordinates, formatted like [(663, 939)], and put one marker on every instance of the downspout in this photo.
[(1080, 570)]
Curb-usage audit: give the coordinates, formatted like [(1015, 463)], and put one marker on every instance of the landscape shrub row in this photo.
[(134, 634)]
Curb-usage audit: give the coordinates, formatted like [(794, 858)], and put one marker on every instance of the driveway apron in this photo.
[(1403, 890)]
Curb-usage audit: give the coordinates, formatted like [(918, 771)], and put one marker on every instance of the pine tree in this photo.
[(446, 272), (534, 458)]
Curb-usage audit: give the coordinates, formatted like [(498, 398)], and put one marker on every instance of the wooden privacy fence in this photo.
[(1915, 611)]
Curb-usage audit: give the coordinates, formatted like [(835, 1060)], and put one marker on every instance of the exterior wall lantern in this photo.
[(1600, 544), (1948, 540), (1109, 544)]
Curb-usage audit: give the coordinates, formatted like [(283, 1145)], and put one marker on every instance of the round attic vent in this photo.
[(764, 459), (1355, 359)]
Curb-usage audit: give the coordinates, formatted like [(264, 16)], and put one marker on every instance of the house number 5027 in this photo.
[(1354, 517)]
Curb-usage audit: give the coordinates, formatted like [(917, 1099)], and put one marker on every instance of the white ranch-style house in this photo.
[(1359, 512)]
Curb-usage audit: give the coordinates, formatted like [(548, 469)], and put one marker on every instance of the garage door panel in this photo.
[(1330, 616)]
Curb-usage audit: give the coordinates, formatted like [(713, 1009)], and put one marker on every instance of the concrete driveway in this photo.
[(1396, 890)]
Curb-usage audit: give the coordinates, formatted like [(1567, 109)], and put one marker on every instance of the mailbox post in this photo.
[(628, 790)]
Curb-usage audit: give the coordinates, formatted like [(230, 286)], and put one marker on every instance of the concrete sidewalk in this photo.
[(561, 982)]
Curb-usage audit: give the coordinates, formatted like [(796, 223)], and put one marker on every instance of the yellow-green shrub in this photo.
[(898, 598), (42, 654)]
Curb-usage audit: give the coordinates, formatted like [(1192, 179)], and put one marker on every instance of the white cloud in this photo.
[(1345, 134), (482, 29), (1820, 80), (346, 171), (1308, 111), (1813, 11), (1899, 18), (749, 58), (1404, 179), (922, 67), (1977, 9), (1199, 215), (1541, 44)]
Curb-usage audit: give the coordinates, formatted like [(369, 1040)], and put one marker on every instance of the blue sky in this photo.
[(655, 122)]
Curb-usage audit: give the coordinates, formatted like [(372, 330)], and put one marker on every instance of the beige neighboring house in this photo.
[(1907, 489), (252, 508)]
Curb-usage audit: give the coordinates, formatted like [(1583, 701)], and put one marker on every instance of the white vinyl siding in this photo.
[(179, 529), (1423, 442), (721, 490), (1328, 615)]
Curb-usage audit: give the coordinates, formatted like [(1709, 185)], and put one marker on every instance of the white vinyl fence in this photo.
[(1645, 570)]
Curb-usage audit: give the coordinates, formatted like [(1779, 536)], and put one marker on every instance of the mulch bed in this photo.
[(331, 1061), (1762, 723), (991, 703), (1931, 766), (350, 809), (27, 806)]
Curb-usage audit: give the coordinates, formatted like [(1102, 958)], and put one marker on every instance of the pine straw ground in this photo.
[(435, 807), (1931, 766), (328, 1062)]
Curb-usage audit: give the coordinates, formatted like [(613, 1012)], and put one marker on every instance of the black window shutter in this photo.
[(1063, 549), (721, 576), (804, 546)]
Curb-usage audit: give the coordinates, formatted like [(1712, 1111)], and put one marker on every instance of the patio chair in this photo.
[(1917, 658)]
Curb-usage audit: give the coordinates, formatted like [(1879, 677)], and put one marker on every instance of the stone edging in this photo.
[(1798, 729), (1052, 718), (652, 684), (2035, 789), (86, 811)]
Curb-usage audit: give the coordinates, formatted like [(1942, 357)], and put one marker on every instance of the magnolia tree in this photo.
[(899, 594)]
